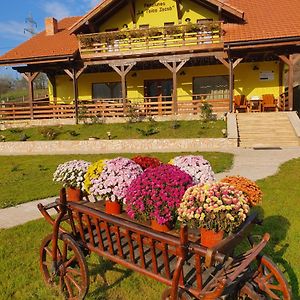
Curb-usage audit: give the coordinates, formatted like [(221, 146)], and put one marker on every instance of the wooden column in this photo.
[(231, 64), (52, 80), (174, 68), (290, 61), (30, 76), (74, 75), (123, 70)]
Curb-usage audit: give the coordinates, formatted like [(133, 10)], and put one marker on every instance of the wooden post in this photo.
[(52, 80), (231, 85), (231, 65), (174, 68), (123, 70), (290, 61), (74, 75), (29, 77)]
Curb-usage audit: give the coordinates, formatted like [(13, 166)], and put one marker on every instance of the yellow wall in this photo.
[(247, 81), (156, 13)]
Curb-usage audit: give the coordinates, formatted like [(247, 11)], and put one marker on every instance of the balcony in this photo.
[(207, 36)]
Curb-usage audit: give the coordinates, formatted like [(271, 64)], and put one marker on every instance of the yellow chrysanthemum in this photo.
[(93, 172)]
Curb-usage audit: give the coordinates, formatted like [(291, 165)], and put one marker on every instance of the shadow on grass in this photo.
[(101, 269), (278, 227)]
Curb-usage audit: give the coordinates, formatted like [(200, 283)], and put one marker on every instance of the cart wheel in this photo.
[(271, 281), (182, 294), (71, 275)]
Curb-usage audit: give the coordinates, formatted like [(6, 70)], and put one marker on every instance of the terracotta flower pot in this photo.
[(112, 207), (210, 238), (74, 194), (158, 227)]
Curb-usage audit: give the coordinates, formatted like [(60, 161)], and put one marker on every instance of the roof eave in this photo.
[(36, 60)]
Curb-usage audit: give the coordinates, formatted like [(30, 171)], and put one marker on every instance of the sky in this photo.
[(13, 14)]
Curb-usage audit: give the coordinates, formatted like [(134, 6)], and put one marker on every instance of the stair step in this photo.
[(266, 130)]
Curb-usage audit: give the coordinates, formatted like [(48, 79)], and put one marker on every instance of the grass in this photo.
[(26, 178), (141, 130), (19, 271)]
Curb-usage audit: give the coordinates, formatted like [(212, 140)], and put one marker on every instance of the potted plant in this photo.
[(93, 172), (146, 161), (215, 208), (113, 182), (71, 174), (196, 166), (156, 195), (250, 189)]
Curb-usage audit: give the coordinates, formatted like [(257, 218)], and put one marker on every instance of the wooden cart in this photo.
[(176, 258)]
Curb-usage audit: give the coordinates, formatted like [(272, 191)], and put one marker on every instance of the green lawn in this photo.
[(19, 271), (26, 178), (159, 130)]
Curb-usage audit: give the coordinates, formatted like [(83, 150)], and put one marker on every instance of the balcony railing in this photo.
[(157, 39)]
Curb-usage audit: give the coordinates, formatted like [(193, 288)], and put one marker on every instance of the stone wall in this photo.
[(114, 146)]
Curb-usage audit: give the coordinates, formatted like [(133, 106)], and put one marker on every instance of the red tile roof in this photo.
[(41, 45), (265, 19)]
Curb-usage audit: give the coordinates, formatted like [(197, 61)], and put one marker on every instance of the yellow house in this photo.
[(167, 56)]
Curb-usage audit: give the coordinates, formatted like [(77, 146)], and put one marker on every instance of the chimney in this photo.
[(51, 26)]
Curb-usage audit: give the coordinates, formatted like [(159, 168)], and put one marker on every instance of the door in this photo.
[(154, 89)]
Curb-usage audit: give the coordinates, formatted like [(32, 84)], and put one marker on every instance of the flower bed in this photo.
[(196, 166), (215, 206), (115, 179), (71, 173), (156, 194)]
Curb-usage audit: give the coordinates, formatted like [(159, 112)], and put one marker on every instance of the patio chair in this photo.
[(240, 103), (269, 103)]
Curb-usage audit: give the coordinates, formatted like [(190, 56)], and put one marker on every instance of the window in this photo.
[(109, 90), (211, 87), (166, 24)]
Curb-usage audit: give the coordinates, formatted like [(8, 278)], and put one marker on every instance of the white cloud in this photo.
[(13, 30), (56, 10)]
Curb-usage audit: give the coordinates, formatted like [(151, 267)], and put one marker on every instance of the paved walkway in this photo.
[(254, 164)]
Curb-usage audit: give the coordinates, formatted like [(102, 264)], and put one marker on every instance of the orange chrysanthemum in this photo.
[(250, 189)]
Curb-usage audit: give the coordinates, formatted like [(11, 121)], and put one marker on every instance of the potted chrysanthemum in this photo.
[(196, 166), (113, 182), (250, 189), (93, 172), (215, 208), (71, 174), (146, 161), (156, 194)]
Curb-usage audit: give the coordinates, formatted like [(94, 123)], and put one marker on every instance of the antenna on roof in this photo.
[(32, 25)]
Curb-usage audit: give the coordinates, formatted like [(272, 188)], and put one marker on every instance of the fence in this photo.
[(106, 108)]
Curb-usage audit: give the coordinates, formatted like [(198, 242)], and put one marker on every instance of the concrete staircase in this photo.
[(267, 130)]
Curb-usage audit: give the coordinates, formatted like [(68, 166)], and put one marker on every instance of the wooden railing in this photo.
[(283, 101), (205, 35), (106, 108)]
